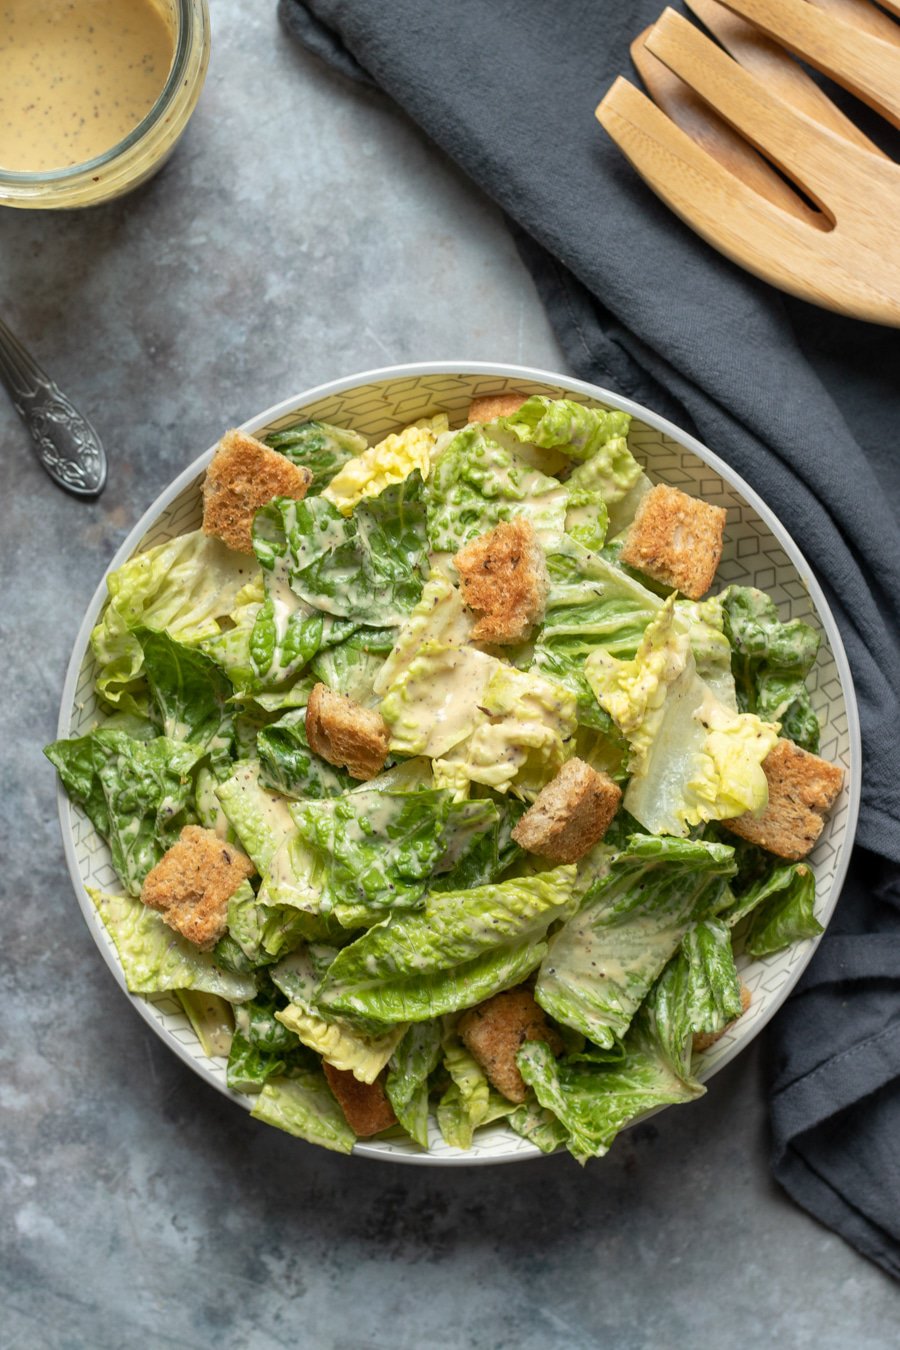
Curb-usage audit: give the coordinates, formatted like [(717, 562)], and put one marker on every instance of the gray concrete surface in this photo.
[(304, 230)]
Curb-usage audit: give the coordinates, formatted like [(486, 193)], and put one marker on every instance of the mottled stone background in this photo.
[(303, 231)]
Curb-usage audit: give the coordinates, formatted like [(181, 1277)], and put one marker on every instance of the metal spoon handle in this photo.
[(66, 443)]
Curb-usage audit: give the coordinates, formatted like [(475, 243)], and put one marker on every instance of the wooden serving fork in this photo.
[(725, 114)]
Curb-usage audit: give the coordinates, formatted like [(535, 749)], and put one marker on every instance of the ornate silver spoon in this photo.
[(66, 443)]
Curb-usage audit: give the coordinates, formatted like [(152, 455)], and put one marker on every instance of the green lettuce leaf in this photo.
[(319, 447), (581, 433), (341, 1045), (155, 958), (305, 1106), (464, 947), (190, 693), (771, 661), (137, 794), (377, 849), (367, 568), (350, 668), (250, 1068), (594, 1102), (698, 992), (692, 759), (186, 587), (468, 1101), (539, 1126), (476, 483), (591, 603), (289, 766), (258, 815), (479, 846), (406, 1086), (781, 910), (211, 1018), (603, 961), (363, 1054)]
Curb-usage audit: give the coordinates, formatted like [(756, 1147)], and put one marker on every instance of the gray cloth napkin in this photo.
[(804, 404)]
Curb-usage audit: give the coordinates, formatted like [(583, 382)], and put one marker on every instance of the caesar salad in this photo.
[(438, 789)]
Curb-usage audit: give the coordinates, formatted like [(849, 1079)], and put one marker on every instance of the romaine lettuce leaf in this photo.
[(363, 1054), (305, 1106), (603, 961), (367, 568), (591, 603), (390, 461), (264, 932), (257, 1022), (538, 1125), (249, 1067), (186, 587), (704, 623), (434, 702), (581, 433), (777, 910), (137, 794), (466, 946), (692, 758), (319, 447), (771, 660), (155, 958), (376, 849), (478, 843), (259, 816), (211, 1018), (289, 766), (190, 693), (439, 619), (477, 483), (594, 1102), (350, 668), (469, 1101), (340, 1044), (480, 718), (406, 1086), (698, 992)]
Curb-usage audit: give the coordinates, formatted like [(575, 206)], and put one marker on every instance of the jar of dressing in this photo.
[(94, 94)]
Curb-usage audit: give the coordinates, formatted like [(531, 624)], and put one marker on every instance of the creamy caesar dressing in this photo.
[(77, 77)]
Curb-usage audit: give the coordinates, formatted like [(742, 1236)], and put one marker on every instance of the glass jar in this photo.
[(146, 148)]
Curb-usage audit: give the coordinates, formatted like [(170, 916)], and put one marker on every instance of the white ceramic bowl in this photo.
[(758, 552)]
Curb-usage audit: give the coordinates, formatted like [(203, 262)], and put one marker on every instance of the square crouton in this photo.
[(491, 406), (495, 1031), (702, 1040), (345, 733), (676, 539), (245, 474), (570, 815), (802, 789), (365, 1105), (193, 882), (504, 578)]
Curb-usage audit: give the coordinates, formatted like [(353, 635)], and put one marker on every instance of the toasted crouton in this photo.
[(504, 579), (193, 882), (495, 1031), (570, 815), (702, 1040), (345, 733), (491, 406), (802, 789), (676, 539), (245, 474), (365, 1105)]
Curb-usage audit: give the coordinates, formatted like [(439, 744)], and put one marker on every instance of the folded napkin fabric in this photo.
[(804, 404)]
